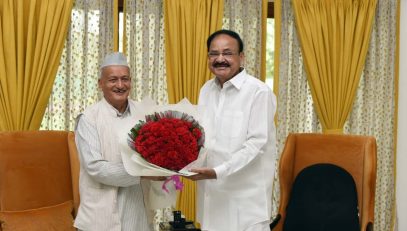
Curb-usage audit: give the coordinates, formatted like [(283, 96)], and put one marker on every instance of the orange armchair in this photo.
[(355, 154), (39, 174)]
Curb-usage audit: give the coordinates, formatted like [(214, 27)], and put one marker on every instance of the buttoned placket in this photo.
[(221, 102), (218, 114)]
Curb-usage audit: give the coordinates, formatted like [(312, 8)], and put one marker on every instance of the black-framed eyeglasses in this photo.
[(226, 54)]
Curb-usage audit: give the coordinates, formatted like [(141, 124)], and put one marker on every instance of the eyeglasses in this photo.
[(226, 55)]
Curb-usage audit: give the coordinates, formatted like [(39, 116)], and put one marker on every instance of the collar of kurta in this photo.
[(236, 81), (114, 112)]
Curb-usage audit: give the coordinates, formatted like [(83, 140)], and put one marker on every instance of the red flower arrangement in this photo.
[(169, 139)]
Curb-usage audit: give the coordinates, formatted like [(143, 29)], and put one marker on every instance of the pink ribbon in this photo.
[(177, 183)]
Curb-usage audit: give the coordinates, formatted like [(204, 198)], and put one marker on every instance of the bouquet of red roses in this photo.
[(169, 139)]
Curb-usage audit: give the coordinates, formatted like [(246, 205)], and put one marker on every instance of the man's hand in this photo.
[(154, 178), (203, 173)]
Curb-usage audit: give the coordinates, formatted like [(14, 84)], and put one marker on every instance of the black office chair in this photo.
[(323, 197), (311, 196)]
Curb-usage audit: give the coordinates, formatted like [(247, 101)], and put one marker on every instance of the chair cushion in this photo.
[(323, 198), (53, 218)]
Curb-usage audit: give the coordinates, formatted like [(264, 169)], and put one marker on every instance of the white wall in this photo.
[(402, 124)]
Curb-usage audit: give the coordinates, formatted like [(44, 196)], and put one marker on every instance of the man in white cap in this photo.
[(111, 199)]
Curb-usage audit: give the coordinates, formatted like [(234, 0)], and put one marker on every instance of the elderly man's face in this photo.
[(115, 84), (224, 58)]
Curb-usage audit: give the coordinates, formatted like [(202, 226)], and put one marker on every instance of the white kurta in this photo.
[(241, 142), (111, 199)]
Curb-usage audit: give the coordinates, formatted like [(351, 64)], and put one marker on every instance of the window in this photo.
[(121, 29), (270, 45)]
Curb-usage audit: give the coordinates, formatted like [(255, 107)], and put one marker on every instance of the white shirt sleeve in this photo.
[(95, 165)]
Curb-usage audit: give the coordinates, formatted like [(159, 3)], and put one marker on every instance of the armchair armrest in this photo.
[(275, 221)]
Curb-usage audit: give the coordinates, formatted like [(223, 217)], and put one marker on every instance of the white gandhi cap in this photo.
[(116, 58), (113, 59)]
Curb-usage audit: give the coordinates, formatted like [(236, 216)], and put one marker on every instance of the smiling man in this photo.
[(111, 199), (234, 189)]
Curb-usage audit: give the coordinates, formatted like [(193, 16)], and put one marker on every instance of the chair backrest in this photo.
[(355, 154), (38, 169), (323, 197)]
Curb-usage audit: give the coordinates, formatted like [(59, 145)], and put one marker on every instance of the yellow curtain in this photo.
[(187, 26), (334, 38), (32, 35)]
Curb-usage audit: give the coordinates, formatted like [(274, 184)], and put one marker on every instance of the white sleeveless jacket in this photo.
[(98, 209)]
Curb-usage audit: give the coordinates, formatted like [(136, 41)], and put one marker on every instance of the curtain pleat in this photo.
[(116, 25), (32, 37), (144, 45), (185, 43), (263, 40), (334, 39), (277, 46)]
